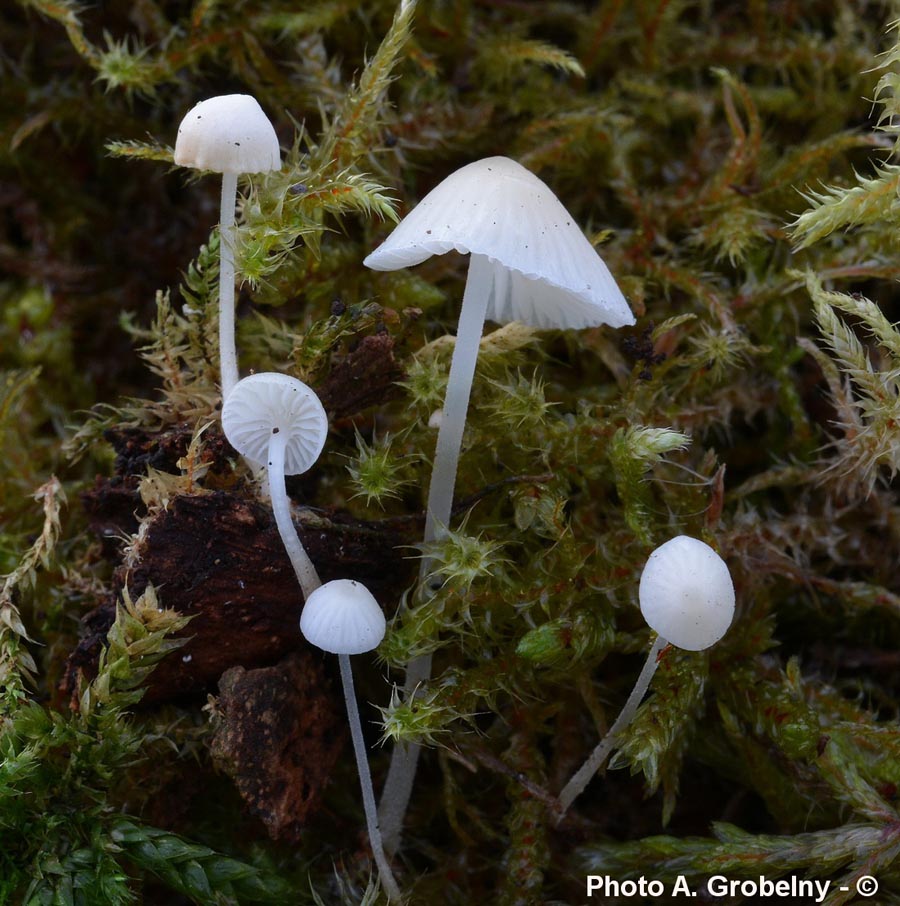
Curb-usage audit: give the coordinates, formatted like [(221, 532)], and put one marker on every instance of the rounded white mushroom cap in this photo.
[(228, 134), (686, 593), (342, 617), (268, 402), (547, 274)]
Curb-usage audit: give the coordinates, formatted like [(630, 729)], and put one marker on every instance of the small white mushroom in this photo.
[(276, 419), (686, 593), (687, 596), (343, 618), (228, 134)]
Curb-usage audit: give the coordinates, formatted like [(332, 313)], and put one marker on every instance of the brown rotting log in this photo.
[(218, 556), (277, 733)]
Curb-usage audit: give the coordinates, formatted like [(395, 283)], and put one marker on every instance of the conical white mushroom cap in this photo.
[(259, 404), (686, 593), (546, 272), (342, 617), (228, 134)]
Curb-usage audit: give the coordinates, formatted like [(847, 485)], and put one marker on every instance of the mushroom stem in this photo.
[(582, 777), (365, 781), (456, 403), (227, 349), (397, 791), (309, 581), (479, 283), (303, 567), (401, 776)]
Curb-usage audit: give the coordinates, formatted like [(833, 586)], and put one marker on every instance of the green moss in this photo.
[(722, 160)]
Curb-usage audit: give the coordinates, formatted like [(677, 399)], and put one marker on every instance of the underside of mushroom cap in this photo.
[(343, 617), (228, 134), (497, 208), (259, 404)]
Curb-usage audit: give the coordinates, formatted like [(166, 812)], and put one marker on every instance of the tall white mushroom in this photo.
[(529, 262), (228, 134), (687, 596), (276, 419)]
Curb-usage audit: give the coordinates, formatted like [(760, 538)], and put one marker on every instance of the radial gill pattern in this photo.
[(262, 403)]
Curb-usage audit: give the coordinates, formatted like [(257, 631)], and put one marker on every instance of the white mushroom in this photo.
[(228, 134), (278, 420), (529, 262), (687, 596), (343, 618), (686, 593)]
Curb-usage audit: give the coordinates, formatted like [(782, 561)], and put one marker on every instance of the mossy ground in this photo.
[(735, 164)]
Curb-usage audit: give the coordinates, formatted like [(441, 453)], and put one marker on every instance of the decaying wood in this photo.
[(114, 506), (367, 376), (219, 556), (277, 733)]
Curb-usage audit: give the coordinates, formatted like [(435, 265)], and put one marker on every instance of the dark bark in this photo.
[(278, 732), (367, 376), (219, 557)]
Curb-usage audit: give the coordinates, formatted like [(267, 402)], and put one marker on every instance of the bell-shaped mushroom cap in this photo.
[(268, 402), (686, 593), (342, 617), (547, 274), (228, 134)]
